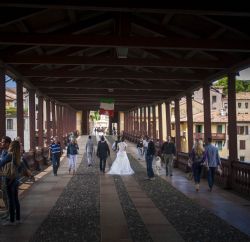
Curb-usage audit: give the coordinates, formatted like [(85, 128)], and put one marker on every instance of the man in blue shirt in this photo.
[(55, 154), (213, 161)]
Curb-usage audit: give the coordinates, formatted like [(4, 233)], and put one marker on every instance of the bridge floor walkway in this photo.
[(92, 206)]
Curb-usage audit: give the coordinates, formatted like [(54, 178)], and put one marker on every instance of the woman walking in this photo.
[(11, 164), (72, 151), (197, 157)]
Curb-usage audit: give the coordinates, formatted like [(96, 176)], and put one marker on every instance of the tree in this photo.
[(240, 86)]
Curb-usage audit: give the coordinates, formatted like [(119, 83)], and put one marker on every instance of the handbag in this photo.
[(219, 170)]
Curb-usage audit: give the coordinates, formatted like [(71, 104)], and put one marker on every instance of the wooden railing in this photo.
[(238, 180)]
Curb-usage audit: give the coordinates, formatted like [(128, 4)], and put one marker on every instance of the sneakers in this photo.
[(8, 223), (152, 178), (18, 221)]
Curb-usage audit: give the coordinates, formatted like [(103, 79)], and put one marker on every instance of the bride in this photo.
[(121, 165)]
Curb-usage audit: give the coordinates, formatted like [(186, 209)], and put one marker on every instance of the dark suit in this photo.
[(103, 152)]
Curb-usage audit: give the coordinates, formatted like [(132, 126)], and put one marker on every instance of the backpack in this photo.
[(10, 170)]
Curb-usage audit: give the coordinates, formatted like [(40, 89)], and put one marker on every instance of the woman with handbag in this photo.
[(197, 158), (11, 164)]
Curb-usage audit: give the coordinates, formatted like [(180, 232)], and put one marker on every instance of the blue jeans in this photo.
[(210, 176), (149, 160), (103, 164), (55, 162), (196, 167), (14, 206)]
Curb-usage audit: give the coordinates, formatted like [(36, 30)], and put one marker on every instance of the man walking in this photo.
[(213, 161), (102, 152), (149, 160), (168, 150)]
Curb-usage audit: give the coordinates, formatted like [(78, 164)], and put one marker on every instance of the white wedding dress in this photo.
[(121, 165)]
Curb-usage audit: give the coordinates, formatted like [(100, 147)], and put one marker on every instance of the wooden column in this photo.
[(48, 122), (2, 104), (40, 121), (53, 109), (32, 118), (141, 124), (177, 125), (232, 127), (149, 122), (20, 117), (160, 121), (190, 133), (118, 123), (145, 121), (154, 122), (168, 120), (85, 121), (57, 121), (207, 112), (61, 124)]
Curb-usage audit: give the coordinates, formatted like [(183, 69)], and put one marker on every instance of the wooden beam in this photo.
[(113, 75), (204, 8), (130, 42), (142, 62)]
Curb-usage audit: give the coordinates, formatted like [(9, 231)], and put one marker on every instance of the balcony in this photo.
[(215, 136)]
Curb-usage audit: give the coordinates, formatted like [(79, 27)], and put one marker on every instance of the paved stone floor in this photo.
[(91, 206)]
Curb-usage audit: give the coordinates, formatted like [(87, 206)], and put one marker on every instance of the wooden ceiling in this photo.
[(78, 51)]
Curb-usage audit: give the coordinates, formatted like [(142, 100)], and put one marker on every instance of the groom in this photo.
[(102, 152)]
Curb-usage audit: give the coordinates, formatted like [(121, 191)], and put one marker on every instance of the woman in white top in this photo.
[(121, 165)]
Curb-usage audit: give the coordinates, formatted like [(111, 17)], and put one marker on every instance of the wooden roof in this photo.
[(78, 51)]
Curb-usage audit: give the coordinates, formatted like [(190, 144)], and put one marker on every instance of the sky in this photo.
[(244, 75)]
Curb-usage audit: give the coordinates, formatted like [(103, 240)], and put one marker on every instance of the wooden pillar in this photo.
[(40, 121), (2, 103), (119, 123), (154, 122), (48, 122), (141, 122), (177, 125), (190, 133), (232, 127), (207, 112), (20, 117), (145, 121), (53, 106), (149, 122), (32, 118), (61, 124), (168, 120), (110, 125), (160, 121), (85, 121), (57, 120)]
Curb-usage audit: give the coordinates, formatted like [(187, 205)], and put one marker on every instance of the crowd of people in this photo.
[(12, 163)]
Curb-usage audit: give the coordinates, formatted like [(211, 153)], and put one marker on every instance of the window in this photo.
[(9, 123), (246, 130), (242, 158), (242, 144), (239, 105), (198, 128), (219, 144), (214, 99), (246, 105), (240, 129), (219, 129)]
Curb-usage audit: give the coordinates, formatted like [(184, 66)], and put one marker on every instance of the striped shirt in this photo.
[(55, 148)]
